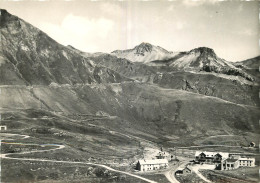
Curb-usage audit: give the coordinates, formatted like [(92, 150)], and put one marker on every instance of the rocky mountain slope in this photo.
[(228, 87), (252, 63), (29, 56), (250, 66), (203, 59)]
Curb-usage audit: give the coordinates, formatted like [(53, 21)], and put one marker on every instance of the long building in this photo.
[(245, 161), (150, 165), (210, 157)]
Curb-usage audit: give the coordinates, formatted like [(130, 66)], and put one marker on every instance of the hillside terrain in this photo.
[(108, 109)]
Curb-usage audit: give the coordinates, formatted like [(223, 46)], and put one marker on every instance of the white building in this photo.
[(150, 165), (230, 164), (248, 162)]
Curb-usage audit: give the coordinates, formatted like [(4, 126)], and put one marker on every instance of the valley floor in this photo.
[(17, 165)]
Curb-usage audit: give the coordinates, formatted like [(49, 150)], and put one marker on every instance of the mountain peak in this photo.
[(204, 50), (3, 12), (145, 44), (6, 17), (143, 47), (144, 52)]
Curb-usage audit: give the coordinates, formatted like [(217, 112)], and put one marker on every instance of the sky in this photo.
[(230, 28)]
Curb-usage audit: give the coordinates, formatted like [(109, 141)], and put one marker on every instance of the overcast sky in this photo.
[(230, 28)]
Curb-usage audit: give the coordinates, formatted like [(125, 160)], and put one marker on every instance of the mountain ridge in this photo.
[(197, 59), (29, 56)]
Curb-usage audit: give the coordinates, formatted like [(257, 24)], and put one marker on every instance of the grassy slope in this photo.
[(142, 107)]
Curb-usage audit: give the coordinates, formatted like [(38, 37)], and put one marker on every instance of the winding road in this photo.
[(196, 169), (170, 174), (58, 147)]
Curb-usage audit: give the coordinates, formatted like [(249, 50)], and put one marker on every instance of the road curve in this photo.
[(85, 163), (196, 168), (171, 177), (58, 147)]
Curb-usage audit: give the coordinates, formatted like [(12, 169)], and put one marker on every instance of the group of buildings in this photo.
[(224, 161)]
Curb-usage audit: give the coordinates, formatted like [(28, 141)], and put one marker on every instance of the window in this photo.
[(232, 165)]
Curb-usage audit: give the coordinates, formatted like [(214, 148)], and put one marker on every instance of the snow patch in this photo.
[(65, 54), (186, 60), (24, 47), (54, 85), (102, 113), (116, 88), (45, 52), (229, 77), (92, 62)]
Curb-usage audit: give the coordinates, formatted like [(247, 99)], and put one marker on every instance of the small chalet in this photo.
[(183, 171), (150, 165)]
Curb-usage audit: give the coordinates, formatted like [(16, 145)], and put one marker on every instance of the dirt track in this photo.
[(60, 147)]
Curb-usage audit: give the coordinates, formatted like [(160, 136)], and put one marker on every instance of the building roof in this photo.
[(231, 160), (212, 154), (249, 159), (153, 161), (187, 168)]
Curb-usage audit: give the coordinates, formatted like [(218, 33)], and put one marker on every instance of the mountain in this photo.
[(226, 81), (196, 58), (252, 63), (29, 56), (250, 66), (111, 111), (203, 59), (145, 52)]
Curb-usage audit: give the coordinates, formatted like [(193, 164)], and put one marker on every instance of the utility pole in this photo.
[(175, 153)]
